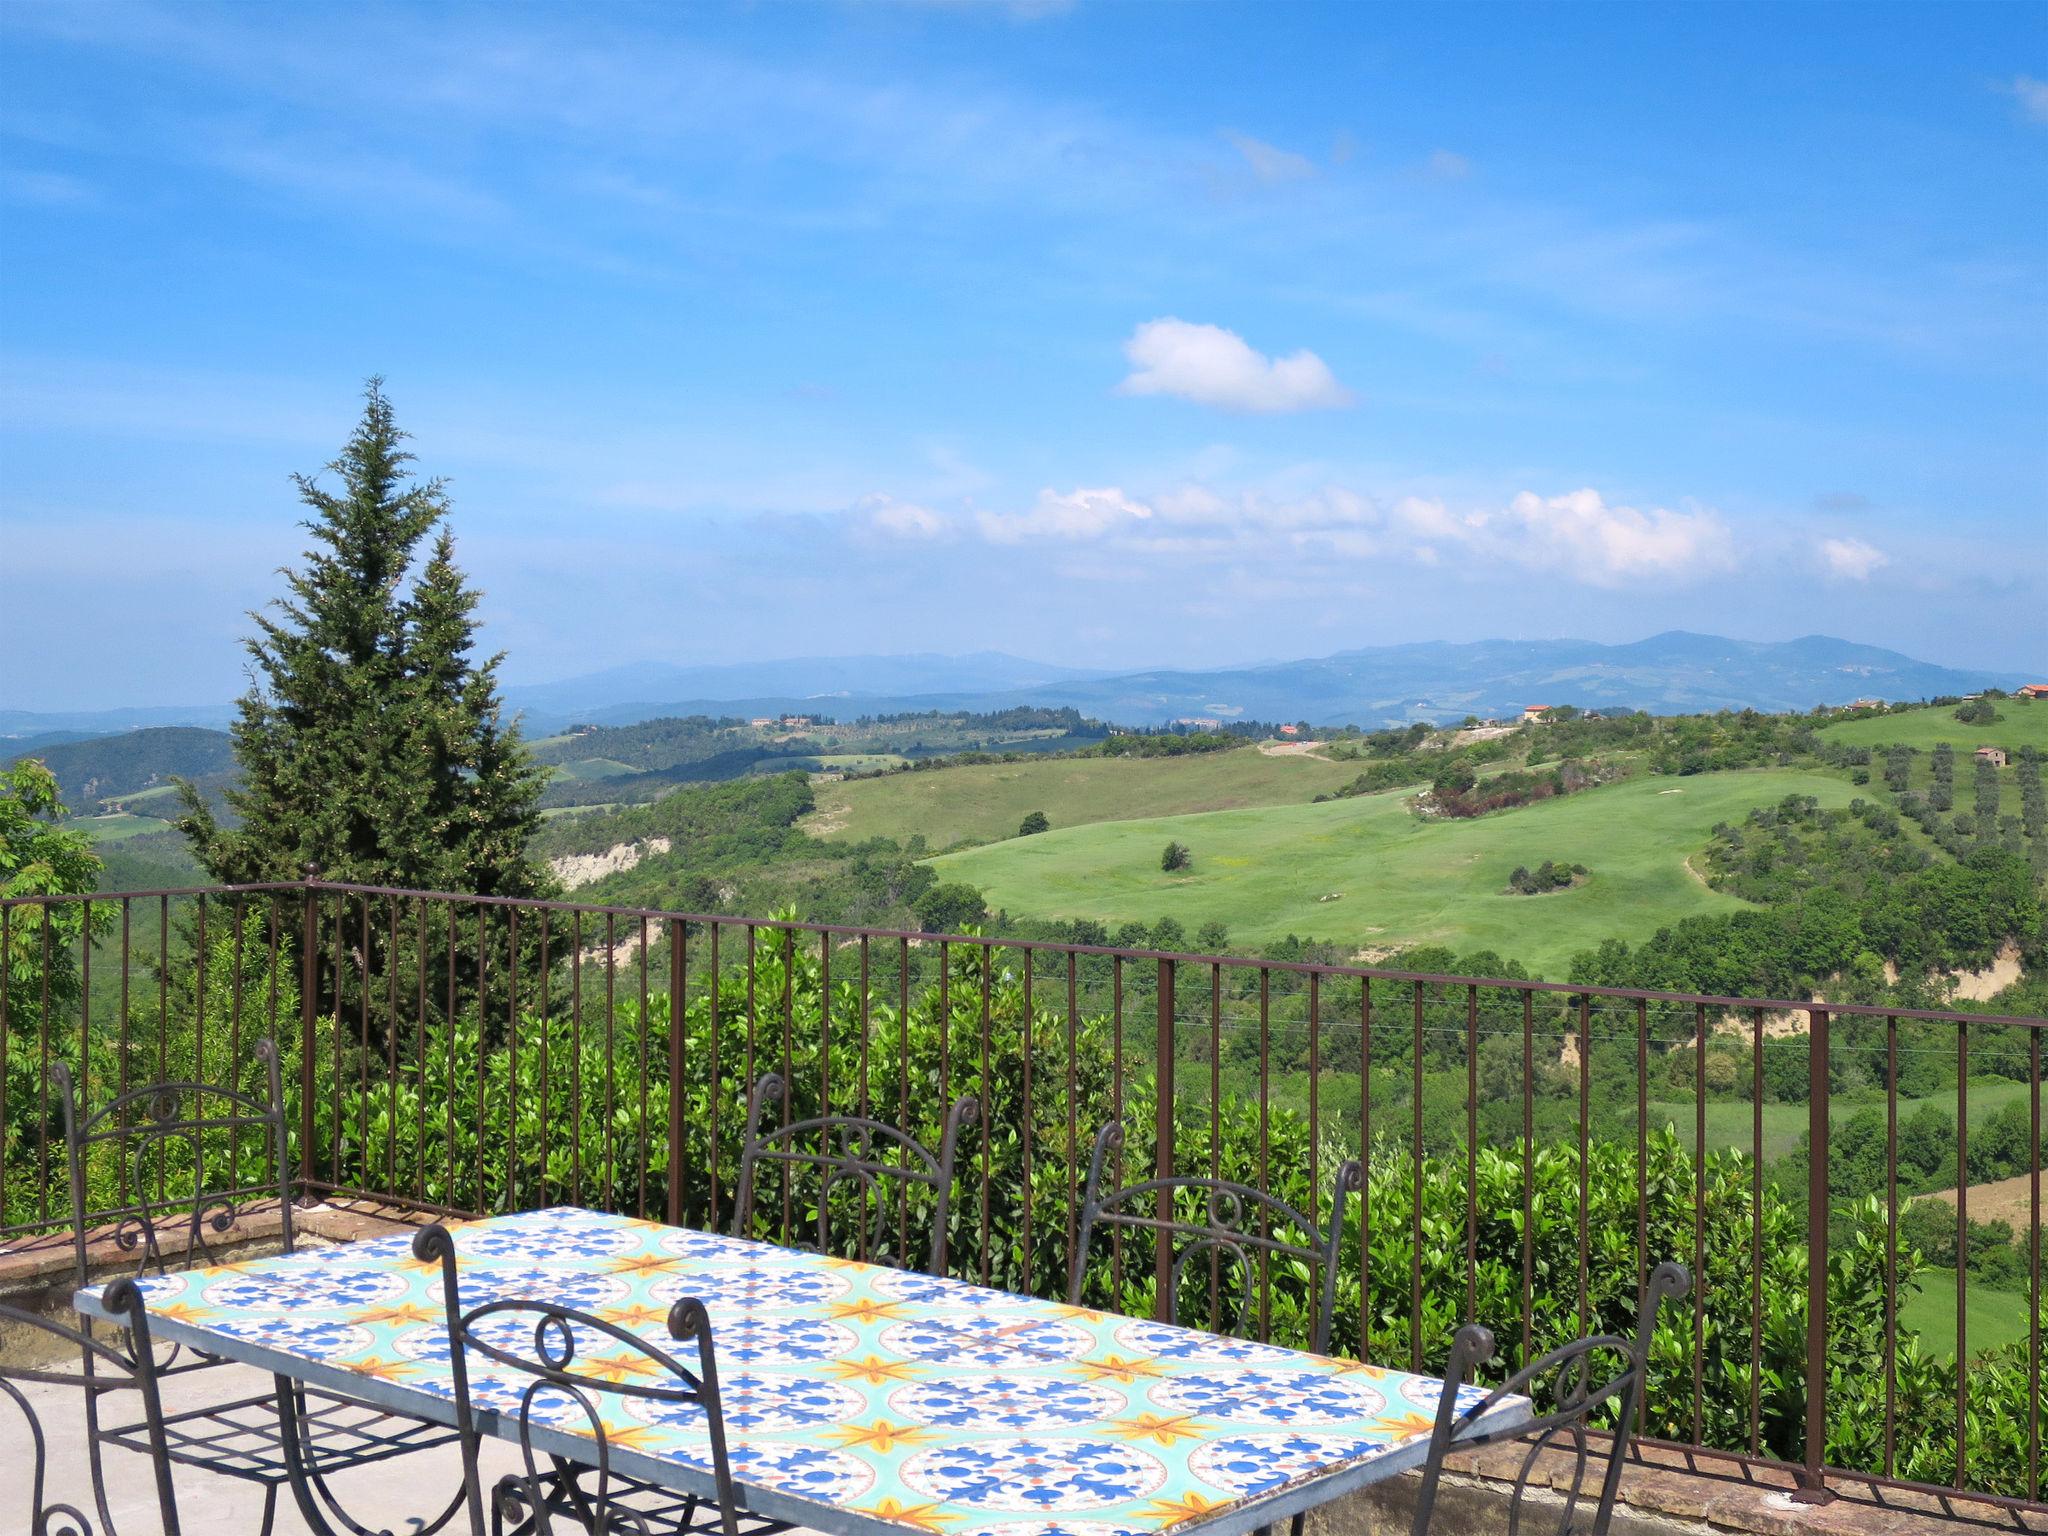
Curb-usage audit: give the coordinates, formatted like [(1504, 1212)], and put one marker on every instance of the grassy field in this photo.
[(984, 803), (590, 769), (862, 762), (157, 795), (1367, 872), (118, 826), (1993, 1317), (554, 812), (1729, 1125), (2025, 724)]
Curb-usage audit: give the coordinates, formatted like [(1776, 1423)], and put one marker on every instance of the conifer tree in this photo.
[(370, 741)]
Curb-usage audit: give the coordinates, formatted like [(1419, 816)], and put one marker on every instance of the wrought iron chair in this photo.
[(116, 1373), (1234, 1232), (1573, 1375), (541, 1345), (854, 1160), (190, 1159)]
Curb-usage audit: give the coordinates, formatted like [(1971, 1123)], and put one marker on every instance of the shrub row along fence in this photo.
[(1532, 1150)]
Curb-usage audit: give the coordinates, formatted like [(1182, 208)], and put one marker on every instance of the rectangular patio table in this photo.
[(859, 1401)]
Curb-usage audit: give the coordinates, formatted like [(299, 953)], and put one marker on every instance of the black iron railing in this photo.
[(1532, 1149)]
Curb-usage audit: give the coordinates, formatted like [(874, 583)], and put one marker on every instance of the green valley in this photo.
[(1367, 872)]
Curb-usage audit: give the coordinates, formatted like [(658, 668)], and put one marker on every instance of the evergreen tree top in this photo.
[(370, 740)]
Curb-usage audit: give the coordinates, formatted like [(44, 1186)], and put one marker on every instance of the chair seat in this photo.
[(240, 1438), (662, 1509)]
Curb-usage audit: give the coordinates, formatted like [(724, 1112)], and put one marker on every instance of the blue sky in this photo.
[(1109, 333)]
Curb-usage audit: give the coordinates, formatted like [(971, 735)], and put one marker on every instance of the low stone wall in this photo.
[(1664, 1493)]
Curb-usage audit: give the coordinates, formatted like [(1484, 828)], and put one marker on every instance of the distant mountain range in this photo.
[(1672, 673), (815, 680)]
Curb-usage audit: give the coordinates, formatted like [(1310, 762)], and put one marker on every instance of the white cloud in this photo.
[(1852, 559), (1269, 162), (1212, 366), (1065, 515), (901, 519), (2033, 96), (49, 188), (1580, 534), (1075, 514), (1447, 165)]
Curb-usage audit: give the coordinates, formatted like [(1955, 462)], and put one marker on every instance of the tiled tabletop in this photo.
[(858, 1400)]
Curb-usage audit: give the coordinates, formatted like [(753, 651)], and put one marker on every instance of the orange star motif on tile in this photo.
[(873, 1370), (401, 1312), (865, 1309), (1399, 1426), (924, 1517), (1162, 1429), (629, 1265), (1119, 1368), (1189, 1506), (881, 1437), (637, 1315), (636, 1437), (382, 1369), (1067, 1312), (620, 1367)]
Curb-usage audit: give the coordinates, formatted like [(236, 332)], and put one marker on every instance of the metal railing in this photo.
[(1533, 1148)]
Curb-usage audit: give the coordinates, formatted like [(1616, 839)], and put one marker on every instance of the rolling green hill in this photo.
[(113, 767), (2025, 724), (984, 802), (1367, 872)]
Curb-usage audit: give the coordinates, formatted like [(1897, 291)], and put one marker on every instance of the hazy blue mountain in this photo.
[(19, 744), (100, 722), (108, 766), (591, 697), (1673, 673)]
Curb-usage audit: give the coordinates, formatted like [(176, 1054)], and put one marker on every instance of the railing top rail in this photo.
[(62, 898), (1807, 1006)]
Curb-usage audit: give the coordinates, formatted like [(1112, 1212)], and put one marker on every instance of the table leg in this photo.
[(309, 1487)]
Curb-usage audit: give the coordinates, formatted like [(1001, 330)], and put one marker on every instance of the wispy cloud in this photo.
[(895, 519), (1447, 165), (1852, 559), (48, 189), (1075, 514), (1212, 366), (1269, 162), (1578, 536), (2032, 95)]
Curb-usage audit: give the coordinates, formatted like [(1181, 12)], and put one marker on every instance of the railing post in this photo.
[(1162, 1307), (1813, 1487), (678, 993), (309, 985)]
